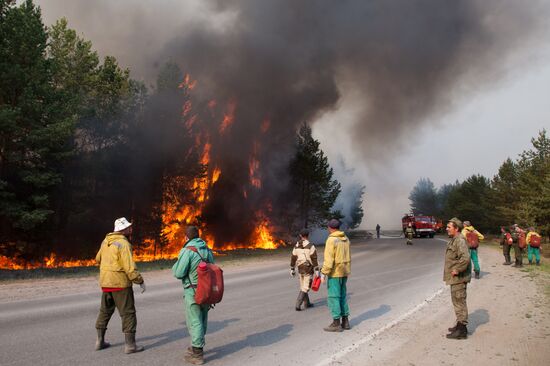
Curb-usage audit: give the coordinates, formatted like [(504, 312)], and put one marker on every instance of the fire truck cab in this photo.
[(422, 225)]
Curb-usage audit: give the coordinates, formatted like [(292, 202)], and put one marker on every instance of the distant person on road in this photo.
[(185, 269), (117, 272), (518, 237), (409, 233), (457, 274), (304, 256), (337, 267), (505, 238), (533, 246), (473, 237), (377, 231)]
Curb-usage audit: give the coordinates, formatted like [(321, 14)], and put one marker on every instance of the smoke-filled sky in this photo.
[(395, 90)]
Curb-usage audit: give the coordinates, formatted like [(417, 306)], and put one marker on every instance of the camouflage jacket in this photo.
[(457, 257)]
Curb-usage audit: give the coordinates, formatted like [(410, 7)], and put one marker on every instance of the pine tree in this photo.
[(423, 198), (313, 187)]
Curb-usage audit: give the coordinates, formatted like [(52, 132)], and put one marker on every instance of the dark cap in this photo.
[(334, 224), (304, 233)]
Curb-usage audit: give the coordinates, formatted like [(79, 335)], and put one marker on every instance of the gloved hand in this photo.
[(142, 285), (292, 272)]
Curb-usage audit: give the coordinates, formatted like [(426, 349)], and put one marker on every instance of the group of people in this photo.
[(335, 271), (520, 239), (118, 272)]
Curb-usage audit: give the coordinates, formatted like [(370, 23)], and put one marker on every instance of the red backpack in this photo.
[(521, 241), (473, 239), (534, 241), (210, 288), (509, 239)]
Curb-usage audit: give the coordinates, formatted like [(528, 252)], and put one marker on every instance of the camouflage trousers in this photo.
[(458, 296)]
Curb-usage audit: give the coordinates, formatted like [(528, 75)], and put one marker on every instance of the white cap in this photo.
[(121, 224)]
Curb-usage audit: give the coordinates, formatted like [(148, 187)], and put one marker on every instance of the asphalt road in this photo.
[(256, 323)]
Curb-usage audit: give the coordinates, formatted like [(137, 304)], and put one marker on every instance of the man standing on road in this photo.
[(377, 231), (506, 245), (457, 274), (185, 269), (337, 267), (533, 246), (409, 233), (304, 256), (117, 272), (473, 237)]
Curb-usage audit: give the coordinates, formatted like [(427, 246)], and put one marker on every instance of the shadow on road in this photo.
[(477, 318), (323, 301), (260, 339), (180, 333), (371, 314)]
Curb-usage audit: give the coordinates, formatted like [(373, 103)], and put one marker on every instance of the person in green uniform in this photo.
[(533, 246), (473, 237)]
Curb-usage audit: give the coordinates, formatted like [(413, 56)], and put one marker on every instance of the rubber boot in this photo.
[(507, 260), (195, 357), (307, 303), (345, 323), (100, 343), (538, 263), (299, 300), (530, 263), (131, 346), (461, 332), (334, 326), (452, 329), (477, 275)]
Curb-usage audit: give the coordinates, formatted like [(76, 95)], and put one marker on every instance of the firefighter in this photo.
[(506, 245), (304, 256), (117, 272), (533, 246), (409, 233), (457, 273), (185, 269), (518, 236), (337, 268), (377, 231), (473, 237)]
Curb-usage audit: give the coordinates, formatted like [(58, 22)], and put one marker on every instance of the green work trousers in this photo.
[(458, 297), (475, 260), (337, 297), (123, 301), (196, 318), (533, 251)]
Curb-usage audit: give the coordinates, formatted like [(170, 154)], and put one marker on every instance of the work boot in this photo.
[(195, 357), (334, 326), (461, 332), (100, 343), (477, 275), (299, 300), (345, 323), (131, 346), (538, 263), (530, 263), (307, 303), (452, 329), (507, 260)]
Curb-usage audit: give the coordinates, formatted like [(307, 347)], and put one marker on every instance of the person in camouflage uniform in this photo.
[(506, 246), (517, 232), (457, 274)]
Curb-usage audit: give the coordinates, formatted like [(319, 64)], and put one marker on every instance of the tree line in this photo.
[(82, 142), (518, 193)]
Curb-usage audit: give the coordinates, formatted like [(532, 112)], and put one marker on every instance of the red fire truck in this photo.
[(422, 225)]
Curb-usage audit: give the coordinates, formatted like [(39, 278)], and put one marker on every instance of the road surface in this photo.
[(256, 323)]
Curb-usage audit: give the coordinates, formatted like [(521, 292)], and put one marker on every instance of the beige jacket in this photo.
[(304, 256)]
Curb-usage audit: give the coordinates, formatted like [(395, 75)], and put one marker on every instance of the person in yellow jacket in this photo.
[(533, 246), (117, 272), (467, 232), (337, 267)]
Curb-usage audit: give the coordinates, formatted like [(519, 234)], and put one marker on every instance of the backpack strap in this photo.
[(194, 249)]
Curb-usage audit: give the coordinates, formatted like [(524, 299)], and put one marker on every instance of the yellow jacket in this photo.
[(116, 266), (529, 235), (337, 261), (470, 228)]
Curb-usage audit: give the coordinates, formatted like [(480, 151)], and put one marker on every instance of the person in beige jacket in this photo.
[(337, 267), (117, 272), (304, 256)]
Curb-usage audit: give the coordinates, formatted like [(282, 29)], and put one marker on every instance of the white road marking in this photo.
[(373, 335)]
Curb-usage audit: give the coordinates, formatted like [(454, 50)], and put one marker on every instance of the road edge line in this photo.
[(371, 336)]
